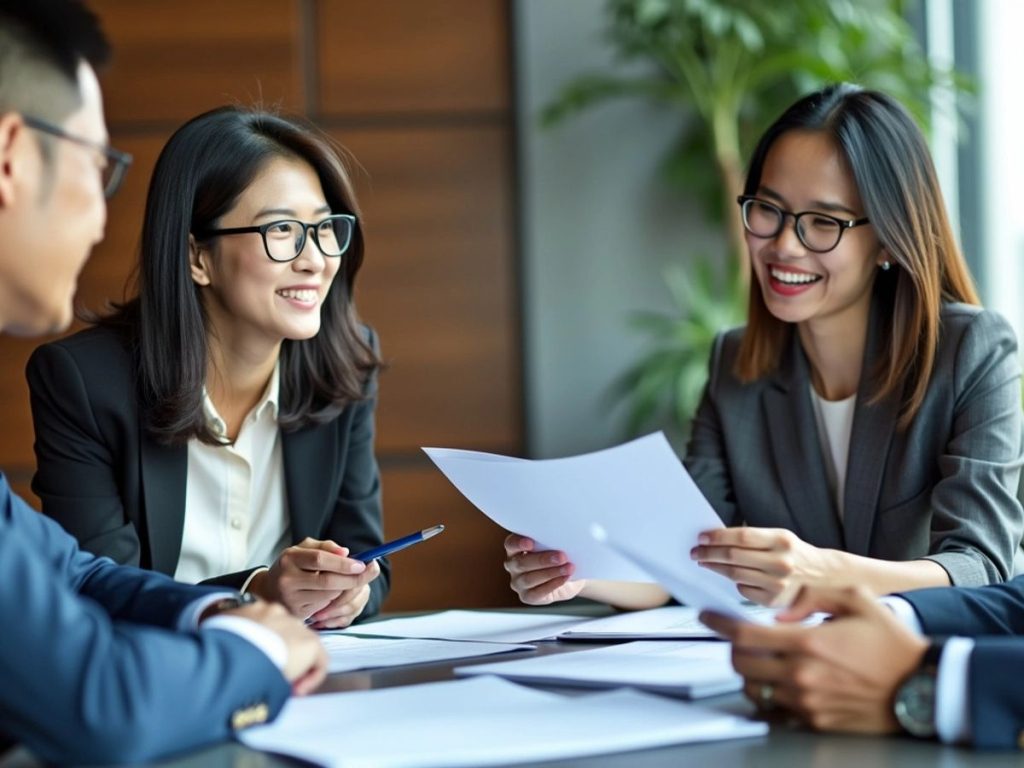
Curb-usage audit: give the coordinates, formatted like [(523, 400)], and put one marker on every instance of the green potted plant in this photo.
[(730, 67)]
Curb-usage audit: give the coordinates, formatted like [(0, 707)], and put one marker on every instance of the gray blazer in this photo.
[(944, 489)]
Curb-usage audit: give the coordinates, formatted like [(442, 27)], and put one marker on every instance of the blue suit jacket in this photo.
[(994, 615), (91, 672)]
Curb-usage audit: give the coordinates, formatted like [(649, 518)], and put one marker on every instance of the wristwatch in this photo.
[(227, 604), (914, 703)]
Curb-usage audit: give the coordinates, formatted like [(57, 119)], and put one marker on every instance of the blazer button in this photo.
[(1020, 740), (247, 716)]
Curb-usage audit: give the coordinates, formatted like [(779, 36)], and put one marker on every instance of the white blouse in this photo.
[(236, 510), (835, 422)]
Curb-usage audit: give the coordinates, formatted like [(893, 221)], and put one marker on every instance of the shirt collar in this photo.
[(267, 403)]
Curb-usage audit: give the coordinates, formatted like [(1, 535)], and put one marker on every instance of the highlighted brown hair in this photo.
[(896, 179)]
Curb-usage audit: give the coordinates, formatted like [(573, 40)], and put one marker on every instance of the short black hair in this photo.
[(42, 43)]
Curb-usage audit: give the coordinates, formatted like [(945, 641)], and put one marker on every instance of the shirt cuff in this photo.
[(254, 574), (904, 612), (952, 707), (268, 641), (188, 621)]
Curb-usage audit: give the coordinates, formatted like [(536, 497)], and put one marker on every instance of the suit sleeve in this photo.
[(996, 609), (357, 522), (706, 458), (994, 693), (994, 616), (977, 521), (71, 452), (92, 680)]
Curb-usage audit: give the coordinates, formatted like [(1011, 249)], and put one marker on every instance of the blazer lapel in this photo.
[(164, 474), (796, 451), (870, 438), (310, 457)]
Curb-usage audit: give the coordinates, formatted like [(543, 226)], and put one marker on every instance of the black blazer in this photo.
[(122, 494), (944, 489)]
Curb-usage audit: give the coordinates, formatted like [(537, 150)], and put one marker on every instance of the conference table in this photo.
[(787, 745)]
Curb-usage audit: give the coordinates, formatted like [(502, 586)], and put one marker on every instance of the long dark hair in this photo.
[(206, 165), (896, 179)]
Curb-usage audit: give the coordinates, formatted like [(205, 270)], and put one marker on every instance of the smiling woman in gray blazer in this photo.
[(865, 426)]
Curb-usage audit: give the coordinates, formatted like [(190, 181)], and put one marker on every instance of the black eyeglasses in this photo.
[(115, 164), (284, 239), (819, 232)]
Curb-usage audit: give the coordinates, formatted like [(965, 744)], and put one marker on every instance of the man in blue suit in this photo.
[(100, 663), (942, 662)]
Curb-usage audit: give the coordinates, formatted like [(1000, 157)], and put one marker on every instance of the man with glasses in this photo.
[(100, 663)]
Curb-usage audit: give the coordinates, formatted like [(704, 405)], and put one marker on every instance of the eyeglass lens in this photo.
[(286, 239), (816, 232)]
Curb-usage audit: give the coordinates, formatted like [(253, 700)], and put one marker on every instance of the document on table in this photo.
[(480, 626), (628, 513), (691, 669), (674, 622), (347, 653), (482, 721)]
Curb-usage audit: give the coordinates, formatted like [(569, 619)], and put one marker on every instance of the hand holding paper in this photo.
[(539, 576), (639, 493)]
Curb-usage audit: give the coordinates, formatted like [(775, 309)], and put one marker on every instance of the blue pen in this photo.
[(394, 546)]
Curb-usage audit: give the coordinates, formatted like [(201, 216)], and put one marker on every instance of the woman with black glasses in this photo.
[(865, 426), (219, 426)]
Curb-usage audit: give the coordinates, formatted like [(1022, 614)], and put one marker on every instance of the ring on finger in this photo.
[(766, 696)]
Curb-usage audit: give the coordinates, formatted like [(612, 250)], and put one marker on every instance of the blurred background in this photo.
[(542, 183)]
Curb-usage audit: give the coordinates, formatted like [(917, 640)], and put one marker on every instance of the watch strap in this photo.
[(932, 656)]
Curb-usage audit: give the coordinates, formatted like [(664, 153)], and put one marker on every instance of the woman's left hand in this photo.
[(346, 607), (769, 565)]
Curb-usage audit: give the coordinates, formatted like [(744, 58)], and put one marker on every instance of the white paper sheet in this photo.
[(692, 669), (479, 626), (674, 622), (348, 652), (637, 494), (482, 721)]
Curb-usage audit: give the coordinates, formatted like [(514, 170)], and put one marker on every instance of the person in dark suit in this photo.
[(865, 426), (101, 663), (219, 426), (932, 663)]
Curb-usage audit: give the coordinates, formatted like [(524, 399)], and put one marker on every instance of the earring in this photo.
[(886, 265)]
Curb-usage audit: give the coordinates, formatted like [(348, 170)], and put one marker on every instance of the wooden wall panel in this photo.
[(461, 568), (173, 60), (405, 56), (16, 456), (437, 213)]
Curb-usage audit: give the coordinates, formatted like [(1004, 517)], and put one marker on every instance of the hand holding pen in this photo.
[(343, 609), (318, 579)]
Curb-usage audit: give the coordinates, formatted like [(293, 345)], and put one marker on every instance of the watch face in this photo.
[(915, 704)]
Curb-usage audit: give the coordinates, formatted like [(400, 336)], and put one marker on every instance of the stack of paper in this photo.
[(481, 626), (691, 669), (480, 722), (676, 622), (347, 653)]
